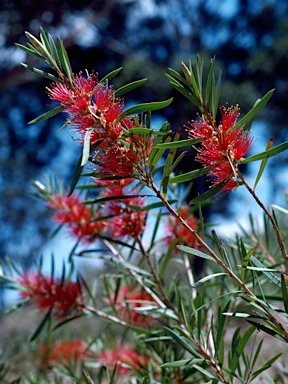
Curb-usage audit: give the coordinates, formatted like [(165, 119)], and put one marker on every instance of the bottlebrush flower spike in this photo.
[(175, 230), (77, 217), (127, 302), (126, 358), (51, 293), (62, 351), (224, 146), (127, 220)]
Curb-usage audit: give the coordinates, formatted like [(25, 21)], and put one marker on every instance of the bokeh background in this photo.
[(248, 38)]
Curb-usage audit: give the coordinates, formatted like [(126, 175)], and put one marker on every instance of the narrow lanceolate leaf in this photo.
[(194, 252), (41, 73), (181, 363), (269, 153), (240, 348), (41, 325), (179, 87), (145, 107), (110, 75), (284, 292), (271, 276), (177, 76), (30, 51), (245, 262), (47, 115), (209, 194), (209, 92), (86, 147), (64, 59), (39, 47), (255, 110), (129, 87), (263, 164), (76, 176), (206, 278), (156, 154), (188, 176), (167, 171), (178, 144), (182, 342)]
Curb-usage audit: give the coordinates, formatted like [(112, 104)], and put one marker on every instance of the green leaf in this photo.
[(181, 363), (245, 262), (177, 76), (86, 147), (263, 164), (110, 75), (30, 51), (204, 372), (145, 107), (206, 278), (64, 59), (76, 176), (284, 292), (47, 115), (267, 365), (179, 87), (267, 153), (195, 252), (267, 330), (129, 87), (270, 275), (255, 110), (41, 325), (167, 258), (178, 144), (41, 73), (156, 154), (209, 194), (167, 171), (240, 348), (220, 333), (209, 92), (182, 342), (188, 176)]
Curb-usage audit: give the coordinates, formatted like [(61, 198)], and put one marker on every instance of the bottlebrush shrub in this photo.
[(152, 322)]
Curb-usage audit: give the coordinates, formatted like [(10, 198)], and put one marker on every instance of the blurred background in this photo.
[(248, 38)]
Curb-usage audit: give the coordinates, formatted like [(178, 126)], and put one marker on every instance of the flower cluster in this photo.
[(63, 297), (77, 217), (175, 230), (223, 146), (127, 360), (93, 108), (62, 351), (129, 301), (128, 217)]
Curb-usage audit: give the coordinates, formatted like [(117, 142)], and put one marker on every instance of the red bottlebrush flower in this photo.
[(77, 217), (175, 230), (63, 351), (128, 224), (126, 359), (51, 293), (127, 221), (117, 161), (128, 301), (229, 117), (200, 129), (224, 148)]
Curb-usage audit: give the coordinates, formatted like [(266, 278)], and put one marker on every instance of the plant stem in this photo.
[(156, 277), (134, 274), (225, 267), (270, 217)]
